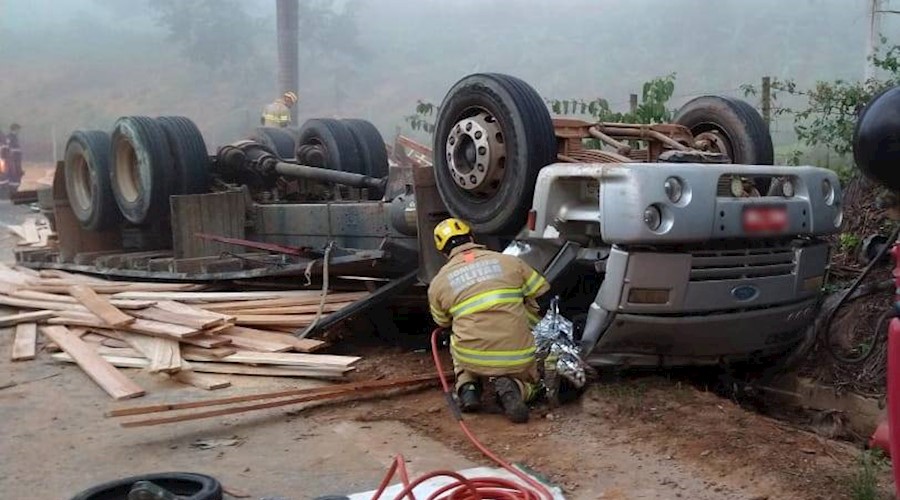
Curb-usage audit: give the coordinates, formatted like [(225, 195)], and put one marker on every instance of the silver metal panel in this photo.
[(626, 190), (734, 334)]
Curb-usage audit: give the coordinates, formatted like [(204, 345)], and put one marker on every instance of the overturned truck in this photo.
[(670, 244)]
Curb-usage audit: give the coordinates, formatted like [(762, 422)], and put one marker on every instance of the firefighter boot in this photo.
[(469, 397), (511, 400)]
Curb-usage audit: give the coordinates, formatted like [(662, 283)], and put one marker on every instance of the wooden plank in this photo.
[(226, 368), (30, 229), (348, 387), (164, 354), (39, 304), (280, 320), (216, 352), (259, 345), (27, 317), (62, 286), (207, 341), (55, 297), (178, 307), (284, 310), (301, 345), (25, 342), (145, 326), (164, 316), (192, 297), (341, 392), (98, 305), (195, 379), (291, 359), (99, 370), (27, 271), (313, 299)]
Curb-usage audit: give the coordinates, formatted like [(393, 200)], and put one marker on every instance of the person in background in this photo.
[(278, 114), (4, 158)]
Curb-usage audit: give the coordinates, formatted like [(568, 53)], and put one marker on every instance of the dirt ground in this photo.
[(634, 437)]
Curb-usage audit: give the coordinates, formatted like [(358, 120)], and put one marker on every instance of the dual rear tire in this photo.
[(130, 173)]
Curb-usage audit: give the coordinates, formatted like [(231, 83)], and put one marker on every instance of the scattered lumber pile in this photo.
[(33, 233), (174, 329)]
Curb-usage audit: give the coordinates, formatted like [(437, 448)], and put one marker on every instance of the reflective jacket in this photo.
[(489, 300), (276, 115)]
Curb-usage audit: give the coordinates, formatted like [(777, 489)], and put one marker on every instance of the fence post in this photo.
[(767, 100)]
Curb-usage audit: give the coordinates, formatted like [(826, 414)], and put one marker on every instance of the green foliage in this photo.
[(849, 242), (864, 483), (831, 109)]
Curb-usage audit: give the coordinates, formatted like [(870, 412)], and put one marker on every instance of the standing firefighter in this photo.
[(14, 163), (278, 114), (4, 158), (489, 300)]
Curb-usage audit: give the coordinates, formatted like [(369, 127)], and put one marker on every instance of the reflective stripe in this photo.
[(486, 300), (533, 318), (533, 284), (500, 359), (439, 316), (277, 118)]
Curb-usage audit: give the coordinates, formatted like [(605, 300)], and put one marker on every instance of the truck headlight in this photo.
[(652, 217), (827, 192), (674, 189)]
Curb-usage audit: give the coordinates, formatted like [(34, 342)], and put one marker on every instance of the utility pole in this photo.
[(875, 10), (287, 15), (633, 103), (767, 100)]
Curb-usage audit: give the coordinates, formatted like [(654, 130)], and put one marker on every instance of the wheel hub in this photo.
[(713, 141), (476, 154)]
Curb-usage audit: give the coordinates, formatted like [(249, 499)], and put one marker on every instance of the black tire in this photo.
[(87, 168), (528, 139), (189, 154), (371, 147), (281, 141), (142, 172), (338, 143), (747, 134), (190, 486)]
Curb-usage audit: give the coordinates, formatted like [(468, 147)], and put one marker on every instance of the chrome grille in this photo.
[(711, 265)]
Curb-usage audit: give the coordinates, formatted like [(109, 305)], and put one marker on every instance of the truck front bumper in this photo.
[(641, 340)]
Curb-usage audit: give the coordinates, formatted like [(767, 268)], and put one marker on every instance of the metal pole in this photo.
[(874, 34), (287, 14), (767, 100)]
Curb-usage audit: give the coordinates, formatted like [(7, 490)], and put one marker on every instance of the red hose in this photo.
[(478, 488)]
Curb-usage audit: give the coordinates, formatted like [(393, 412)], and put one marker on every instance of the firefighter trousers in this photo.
[(526, 379)]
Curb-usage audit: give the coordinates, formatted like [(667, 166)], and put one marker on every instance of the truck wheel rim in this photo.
[(476, 154), (128, 172), (81, 181)]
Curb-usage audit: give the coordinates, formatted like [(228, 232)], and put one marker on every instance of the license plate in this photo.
[(765, 219)]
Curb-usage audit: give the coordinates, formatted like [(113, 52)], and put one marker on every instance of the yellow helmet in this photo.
[(290, 96), (447, 229)]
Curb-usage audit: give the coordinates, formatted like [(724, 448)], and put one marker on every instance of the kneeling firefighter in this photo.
[(489, 300)]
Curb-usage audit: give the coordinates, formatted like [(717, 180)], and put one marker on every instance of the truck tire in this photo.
[(189, 154), (187, 485), (142, 173), (733, 127), (334, 141), (87, 180), (281, 141), (371, 147), (493, 134)]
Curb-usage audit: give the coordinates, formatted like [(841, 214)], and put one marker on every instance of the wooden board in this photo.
[(33, 295), (301, 345), (100, 306), (284, 310), (327, 361), (227, 368), (40, 304), (145, 326), (216, 352), (25, 342), (221, 214), (99, 370), (193, 297), (28, 317), (178, 307), (164, 316), (195, 379), (280, 320), (313, 299), (208, 341), (164, 354), (258, 345)]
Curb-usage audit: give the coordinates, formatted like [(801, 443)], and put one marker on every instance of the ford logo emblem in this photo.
[(744, 293)]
